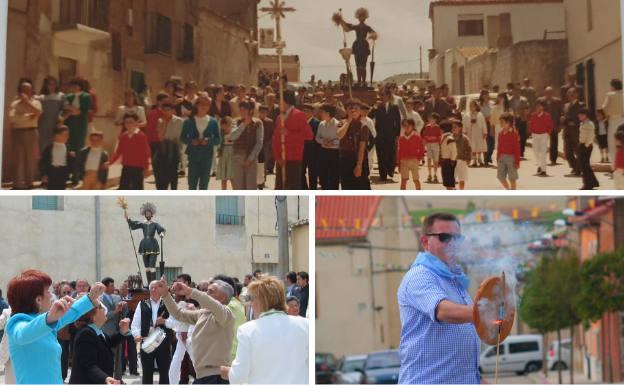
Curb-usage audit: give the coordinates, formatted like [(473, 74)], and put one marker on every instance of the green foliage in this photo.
[(601, 288), (549, 297)]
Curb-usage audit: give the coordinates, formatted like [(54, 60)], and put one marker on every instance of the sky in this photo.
[(402, 25)]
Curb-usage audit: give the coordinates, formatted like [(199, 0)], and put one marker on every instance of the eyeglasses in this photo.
[(447, 237), (66, 292)]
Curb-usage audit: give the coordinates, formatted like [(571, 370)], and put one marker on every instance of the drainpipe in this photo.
[(98, 241)]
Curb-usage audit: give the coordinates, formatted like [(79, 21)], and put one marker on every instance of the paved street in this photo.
[(127, 379)]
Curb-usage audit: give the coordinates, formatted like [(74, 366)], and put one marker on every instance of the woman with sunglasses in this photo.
[(437, 311), (32, 329), (93, 361)]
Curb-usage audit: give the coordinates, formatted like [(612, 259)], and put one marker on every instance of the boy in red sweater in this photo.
[(411, 152), (432, 137), (508, 153), (134, 151)]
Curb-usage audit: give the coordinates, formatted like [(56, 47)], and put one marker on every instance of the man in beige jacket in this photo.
[(214, 326)]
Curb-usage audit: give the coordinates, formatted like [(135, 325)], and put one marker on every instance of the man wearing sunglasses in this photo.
[(439, 342)]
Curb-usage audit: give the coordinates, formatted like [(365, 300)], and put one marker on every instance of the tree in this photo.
[(602, 292), (549, 299)]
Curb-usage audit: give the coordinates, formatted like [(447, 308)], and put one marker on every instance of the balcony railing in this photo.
[(225, 219), (91, 13)]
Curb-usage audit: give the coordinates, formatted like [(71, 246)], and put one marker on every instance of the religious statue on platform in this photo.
[(148, 247), (361, 47)]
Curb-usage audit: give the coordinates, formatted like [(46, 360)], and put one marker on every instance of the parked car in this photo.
[(463, 101), (418, 84), (520, 354), (553, 354), (382, 368), (325, 366), (349, 370)]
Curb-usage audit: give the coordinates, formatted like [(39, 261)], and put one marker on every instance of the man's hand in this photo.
[(138, 339), (357, 172), (195, 142), (225, 372), (247, 163), (112, 381), (96, 292), (181, 289), (160, 321), (161, 286), (124, 325)]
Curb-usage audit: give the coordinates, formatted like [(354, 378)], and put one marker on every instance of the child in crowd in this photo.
[(224, 169), (411, 152), (508, 153), (448, 156), (327, 138), (587, 135), (56, 161), (601, 135), (432, 136), (134, 151), (464, 153), (90, 164)]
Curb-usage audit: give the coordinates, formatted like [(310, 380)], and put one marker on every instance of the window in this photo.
[(47, 203), (116, 51), (471, 25), (157, 33), (186, 51), (92, 13), (171, 273), (492, 351), (68, 69), (229, 211), (590, 15), (523, 347)]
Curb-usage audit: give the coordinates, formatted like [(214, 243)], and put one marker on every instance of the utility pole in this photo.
[(421, 70), (278, 10), (282, 233)]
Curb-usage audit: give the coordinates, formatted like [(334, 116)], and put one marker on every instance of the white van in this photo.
[(520, 354)]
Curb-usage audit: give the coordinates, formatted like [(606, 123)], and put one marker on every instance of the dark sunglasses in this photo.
[(446, 237)]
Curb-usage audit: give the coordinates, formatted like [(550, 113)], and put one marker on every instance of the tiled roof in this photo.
[(341, 217), (436, 3)]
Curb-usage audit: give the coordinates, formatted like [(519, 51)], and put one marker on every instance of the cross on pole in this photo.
[(278, 10)]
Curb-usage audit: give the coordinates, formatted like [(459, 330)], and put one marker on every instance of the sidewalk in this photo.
[(553, 378)]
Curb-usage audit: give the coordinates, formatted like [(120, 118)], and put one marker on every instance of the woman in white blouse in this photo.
[(613, 107), (272, 349), (130, 106)]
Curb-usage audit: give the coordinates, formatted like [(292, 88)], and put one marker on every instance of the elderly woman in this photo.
[(93, 361), (31, 330), (272, 349)]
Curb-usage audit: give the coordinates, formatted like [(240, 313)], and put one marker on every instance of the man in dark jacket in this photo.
[(388, 125)]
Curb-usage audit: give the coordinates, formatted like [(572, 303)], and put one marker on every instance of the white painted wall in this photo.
[(62, 243), (528, 22), (603, 43)]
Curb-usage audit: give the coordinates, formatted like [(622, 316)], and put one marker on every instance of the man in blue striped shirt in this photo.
[(439, 343)]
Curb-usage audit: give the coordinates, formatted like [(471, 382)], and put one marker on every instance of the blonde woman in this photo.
[(272, 349)]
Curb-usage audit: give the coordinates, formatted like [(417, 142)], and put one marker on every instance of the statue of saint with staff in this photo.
[(361, 47)]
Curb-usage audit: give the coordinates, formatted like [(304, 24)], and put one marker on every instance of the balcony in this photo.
[(83, 21)]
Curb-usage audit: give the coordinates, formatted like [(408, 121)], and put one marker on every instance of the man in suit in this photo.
[(304, 290), (571, 130), (292, 290), (437, 104), (388, 125), (116, 310), (151, 313)]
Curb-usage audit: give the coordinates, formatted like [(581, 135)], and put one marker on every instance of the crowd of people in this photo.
[(235, 134), (218, 330)]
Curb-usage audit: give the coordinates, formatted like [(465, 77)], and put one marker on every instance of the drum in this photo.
[(494, 310), (153, 340)]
